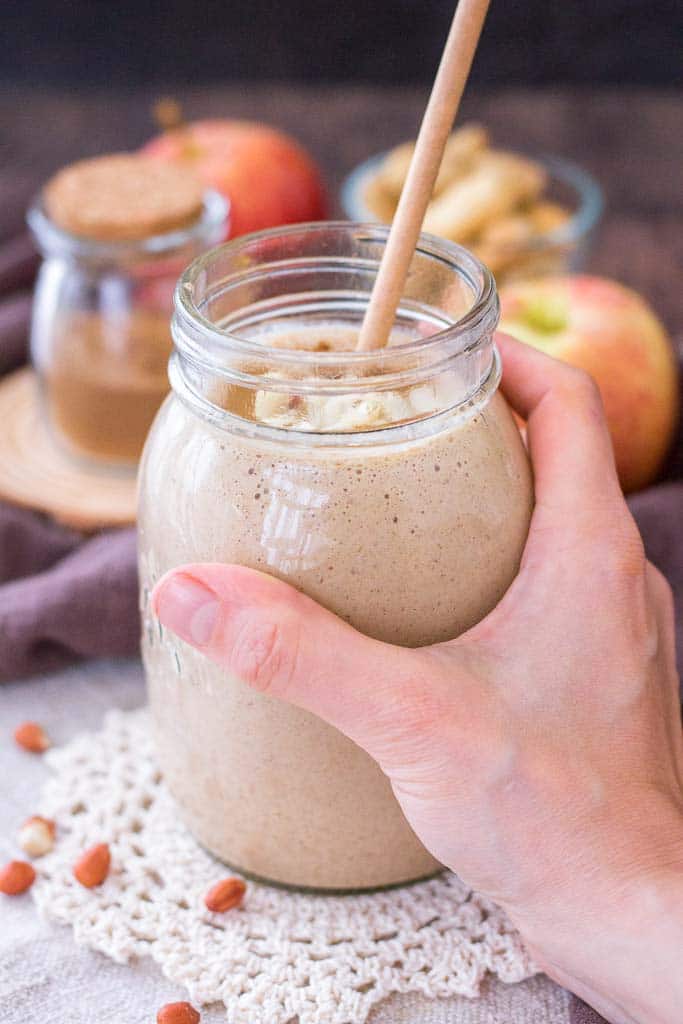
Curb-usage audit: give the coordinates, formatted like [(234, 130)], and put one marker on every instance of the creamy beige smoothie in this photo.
[(410, 535)]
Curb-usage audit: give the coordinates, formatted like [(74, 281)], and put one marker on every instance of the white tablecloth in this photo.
[(46, 979)]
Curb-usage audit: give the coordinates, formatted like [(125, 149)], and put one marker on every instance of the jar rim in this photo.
[(192, 330), (323, 272), (54, 240), (385, 436)]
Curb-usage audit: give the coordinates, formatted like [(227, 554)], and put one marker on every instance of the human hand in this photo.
[(540, 754)]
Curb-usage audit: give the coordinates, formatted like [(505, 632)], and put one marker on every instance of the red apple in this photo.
[(267, 176), (611, 332)]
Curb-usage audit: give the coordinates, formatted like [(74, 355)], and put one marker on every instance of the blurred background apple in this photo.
[(268, 177), (611, 332)]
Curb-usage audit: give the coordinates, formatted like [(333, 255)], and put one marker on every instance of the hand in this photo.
[(540, 754)]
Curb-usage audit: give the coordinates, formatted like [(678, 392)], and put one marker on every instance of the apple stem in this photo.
[(168, 113)]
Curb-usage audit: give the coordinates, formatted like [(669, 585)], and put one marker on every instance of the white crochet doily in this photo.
[(282, 956)]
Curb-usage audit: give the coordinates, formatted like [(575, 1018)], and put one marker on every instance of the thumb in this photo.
[(280, 642)]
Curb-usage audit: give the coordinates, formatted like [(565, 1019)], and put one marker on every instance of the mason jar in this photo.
[(100, 335), (391, 486)]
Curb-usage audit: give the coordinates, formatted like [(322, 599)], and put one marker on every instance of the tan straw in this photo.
[(436, 125)]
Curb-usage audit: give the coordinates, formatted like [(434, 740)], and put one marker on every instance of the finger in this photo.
[(567, 433), (280, 642)]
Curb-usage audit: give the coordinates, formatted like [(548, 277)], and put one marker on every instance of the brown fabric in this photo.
[(18, 264), (15, 316), (63, 597), (659, 514), (580, 1013)]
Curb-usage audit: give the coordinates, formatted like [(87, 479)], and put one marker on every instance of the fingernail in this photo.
[(187, 608)]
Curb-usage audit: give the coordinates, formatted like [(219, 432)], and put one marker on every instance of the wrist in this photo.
[(616, 939), (634, 846)]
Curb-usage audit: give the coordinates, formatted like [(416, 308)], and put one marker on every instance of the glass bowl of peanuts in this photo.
[(522, 216)]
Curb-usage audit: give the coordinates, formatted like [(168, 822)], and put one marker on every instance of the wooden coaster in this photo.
[(37, 473)]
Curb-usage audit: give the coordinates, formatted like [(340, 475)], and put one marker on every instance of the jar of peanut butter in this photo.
[(115, 233), (391, 486)]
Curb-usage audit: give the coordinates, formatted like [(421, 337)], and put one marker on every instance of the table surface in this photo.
[(630, 140)]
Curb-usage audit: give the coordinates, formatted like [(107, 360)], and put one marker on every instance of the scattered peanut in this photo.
[(177, 1013), (92, 867), (32, 736), (16, 877), (225, 895), (37, 836)]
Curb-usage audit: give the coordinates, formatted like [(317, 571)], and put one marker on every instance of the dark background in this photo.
[(130, 43)]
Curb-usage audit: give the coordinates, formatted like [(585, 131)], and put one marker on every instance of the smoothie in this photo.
[(410, 536)]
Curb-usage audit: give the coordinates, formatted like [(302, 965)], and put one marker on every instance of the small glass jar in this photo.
[(391, 486), (100, 334)]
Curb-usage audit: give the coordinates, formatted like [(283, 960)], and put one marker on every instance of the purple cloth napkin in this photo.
[(659, 515), (63, 596), (18, 264), (579, 1013), (15, 314)]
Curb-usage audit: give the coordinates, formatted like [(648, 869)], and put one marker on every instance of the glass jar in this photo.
[(100, 334), (392, 486)]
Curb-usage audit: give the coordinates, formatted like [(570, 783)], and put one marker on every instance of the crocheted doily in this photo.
[(282, 956)]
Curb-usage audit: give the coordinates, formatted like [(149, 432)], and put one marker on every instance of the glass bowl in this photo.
[(564, 249)]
